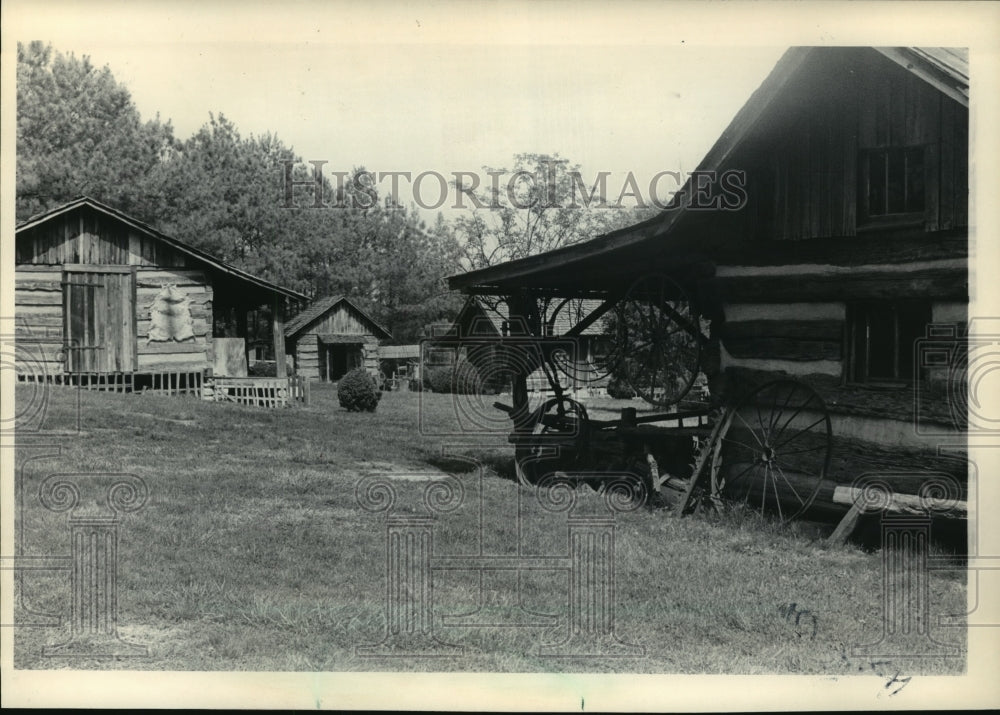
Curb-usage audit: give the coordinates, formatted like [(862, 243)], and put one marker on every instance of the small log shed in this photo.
[(333, 336), (852, 243), (103, 298)]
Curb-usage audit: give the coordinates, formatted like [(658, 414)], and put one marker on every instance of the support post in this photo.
[(520, 364), (278, 328)]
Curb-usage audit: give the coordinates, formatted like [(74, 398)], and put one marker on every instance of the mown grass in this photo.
[(253, 554)]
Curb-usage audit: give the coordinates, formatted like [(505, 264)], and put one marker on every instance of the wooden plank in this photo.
[(905, 503), (198, 295), (134, 249), (883, 109), (942, 283), (866, 109), (783, 349), (897, 108), (193, 361), (108, 301), (815, 155), (947, 176), (96, 268), (51, 270), (160, 277), (49, 280), (800, 329), (172, 347), (932, 187), (28, 333), (961, 127), (37, 297)]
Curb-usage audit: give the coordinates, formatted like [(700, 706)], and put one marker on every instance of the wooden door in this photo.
[(99, 318)]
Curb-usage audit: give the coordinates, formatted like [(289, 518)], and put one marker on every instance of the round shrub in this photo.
[(358, 392), (462, 378), (619, 389)]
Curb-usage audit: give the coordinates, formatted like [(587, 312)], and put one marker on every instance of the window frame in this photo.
[(853, 373), (865, 218)]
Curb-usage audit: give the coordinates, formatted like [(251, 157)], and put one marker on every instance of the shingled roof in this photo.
[(321, 307)]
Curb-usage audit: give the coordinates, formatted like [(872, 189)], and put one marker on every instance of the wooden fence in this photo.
[(258, 391), (158, 383)]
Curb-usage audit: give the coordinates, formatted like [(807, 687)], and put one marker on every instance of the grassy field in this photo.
[(252, 553)]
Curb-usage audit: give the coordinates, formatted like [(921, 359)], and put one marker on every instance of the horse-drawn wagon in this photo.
[(766, 448)]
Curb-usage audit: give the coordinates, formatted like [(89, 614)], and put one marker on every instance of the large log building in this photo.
[(848, 254), (106, 300)]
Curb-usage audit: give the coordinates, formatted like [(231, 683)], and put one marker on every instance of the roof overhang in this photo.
[(337, 339)]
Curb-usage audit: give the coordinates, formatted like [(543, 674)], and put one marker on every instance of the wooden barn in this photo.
[(843, 253), (107, 301), (331, 337)]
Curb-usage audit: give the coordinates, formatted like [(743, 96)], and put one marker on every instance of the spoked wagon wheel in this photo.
[(598, 353), (557, 440), (664, 340), (774, 450)]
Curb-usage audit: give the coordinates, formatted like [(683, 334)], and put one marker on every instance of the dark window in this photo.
[(882, 338), (891, 183)]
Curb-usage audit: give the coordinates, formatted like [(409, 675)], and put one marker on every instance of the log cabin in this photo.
[(107, 301), (332, 336), (848, 256)]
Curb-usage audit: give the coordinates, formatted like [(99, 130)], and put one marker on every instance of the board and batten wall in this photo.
[(802, 172), (84, 237), (341, 319)]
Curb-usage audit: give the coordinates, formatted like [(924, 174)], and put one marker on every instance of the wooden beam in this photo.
[(940, 280), (592, 318), (278, 331), (906, 503), (846, 525)]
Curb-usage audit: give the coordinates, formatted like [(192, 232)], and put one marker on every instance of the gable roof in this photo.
[(321, 307), (947, 69), (180, 246)]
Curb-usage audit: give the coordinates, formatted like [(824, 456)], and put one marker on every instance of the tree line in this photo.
[(80, 133)]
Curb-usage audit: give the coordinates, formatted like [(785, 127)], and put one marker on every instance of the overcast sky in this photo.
[(448, 86), (436, 88)]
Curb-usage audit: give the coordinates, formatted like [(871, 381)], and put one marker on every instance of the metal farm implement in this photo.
[(767, 448)]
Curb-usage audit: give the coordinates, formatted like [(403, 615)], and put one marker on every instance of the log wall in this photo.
[(340, 320), (39, 320), (38, 312), (192, 354)]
